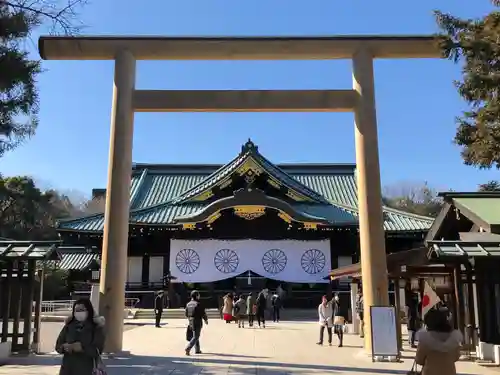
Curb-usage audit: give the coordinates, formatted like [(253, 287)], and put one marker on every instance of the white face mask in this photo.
[(336, 298), (81, 315)]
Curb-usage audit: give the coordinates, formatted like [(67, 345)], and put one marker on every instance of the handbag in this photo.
[(414, 369), (189, 333), (99, 368)]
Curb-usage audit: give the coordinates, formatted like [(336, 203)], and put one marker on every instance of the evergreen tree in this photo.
[(476, 44), (18, 73), (490, 186)]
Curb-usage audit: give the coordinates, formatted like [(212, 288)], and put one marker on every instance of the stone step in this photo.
[(287, 314)]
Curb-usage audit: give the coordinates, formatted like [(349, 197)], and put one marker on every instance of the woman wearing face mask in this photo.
[(81, 340)]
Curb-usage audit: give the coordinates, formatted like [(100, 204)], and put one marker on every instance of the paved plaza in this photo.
[(284, 348)]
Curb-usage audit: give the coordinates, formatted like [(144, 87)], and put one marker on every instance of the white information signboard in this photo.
[(384, 332)]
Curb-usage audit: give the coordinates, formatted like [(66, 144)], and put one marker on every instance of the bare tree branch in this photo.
[(62, 15), (417, 198)]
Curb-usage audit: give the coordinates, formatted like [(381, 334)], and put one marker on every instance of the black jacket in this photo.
[(159, 303), (261, 302), (195, 312), (276, 301), (339, 309)]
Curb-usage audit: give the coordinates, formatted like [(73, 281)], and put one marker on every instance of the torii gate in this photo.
[(125, 51)]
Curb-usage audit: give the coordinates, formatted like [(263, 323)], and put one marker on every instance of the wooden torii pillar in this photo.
[(125, 51)]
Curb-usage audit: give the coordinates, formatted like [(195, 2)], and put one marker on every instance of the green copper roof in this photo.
[(29, 250), (159, 193), (487, 208), (166, 213), (250, 151), (77, 261), (395, 220), (461, 249)]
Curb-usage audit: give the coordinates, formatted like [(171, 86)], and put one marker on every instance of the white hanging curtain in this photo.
[(212, 260)]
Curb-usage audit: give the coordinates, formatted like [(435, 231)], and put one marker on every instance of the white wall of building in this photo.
[(156, 269), (134, 270)]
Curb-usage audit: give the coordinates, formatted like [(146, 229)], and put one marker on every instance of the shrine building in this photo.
[(242, 226)]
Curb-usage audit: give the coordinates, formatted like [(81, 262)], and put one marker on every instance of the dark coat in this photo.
[(339, 309), (90, 336), (276, 301), (196, 314), (261, 303), (159, 302), (412, 309)]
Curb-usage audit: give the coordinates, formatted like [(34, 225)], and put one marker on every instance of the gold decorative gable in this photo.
[(249, 212), (214, 217), (285, 217), (311, 225), (250, 169), (250, 165)]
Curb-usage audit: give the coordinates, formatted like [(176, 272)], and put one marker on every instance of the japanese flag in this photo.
[(429, 300)]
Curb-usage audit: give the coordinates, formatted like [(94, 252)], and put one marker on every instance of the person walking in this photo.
[(438, 345), (360, 313), (412, 314), (325, 314), (81, 340), (195, 312), (250, 309), (240, 309), (227, 309), (221, 306), (276, 304), (159, 303), (339, 316), (261, 304)]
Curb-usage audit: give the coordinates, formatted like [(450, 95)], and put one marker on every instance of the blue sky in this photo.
[(416, 100)]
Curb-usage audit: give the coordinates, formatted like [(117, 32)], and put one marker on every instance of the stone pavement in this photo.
[(284, 348)]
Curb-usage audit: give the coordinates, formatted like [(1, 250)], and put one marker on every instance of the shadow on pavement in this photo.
[(228, 355), (196, 364)]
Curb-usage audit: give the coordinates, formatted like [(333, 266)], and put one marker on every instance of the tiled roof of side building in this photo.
[(396, 220)]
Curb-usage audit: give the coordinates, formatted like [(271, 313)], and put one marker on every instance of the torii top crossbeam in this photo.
[(236, 48)]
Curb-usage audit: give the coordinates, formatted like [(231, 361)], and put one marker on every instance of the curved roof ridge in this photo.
[(249, 150), (244, 197), (78, 218), (135, 210), (170, 202), (311, 192), (138, 188), (411, 214), (385, 208), (181, 198)]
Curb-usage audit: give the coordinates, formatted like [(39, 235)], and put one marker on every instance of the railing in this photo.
[(62, 306), (57, 306)]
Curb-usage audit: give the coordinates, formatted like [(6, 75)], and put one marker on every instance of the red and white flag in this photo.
[(429, 299)]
